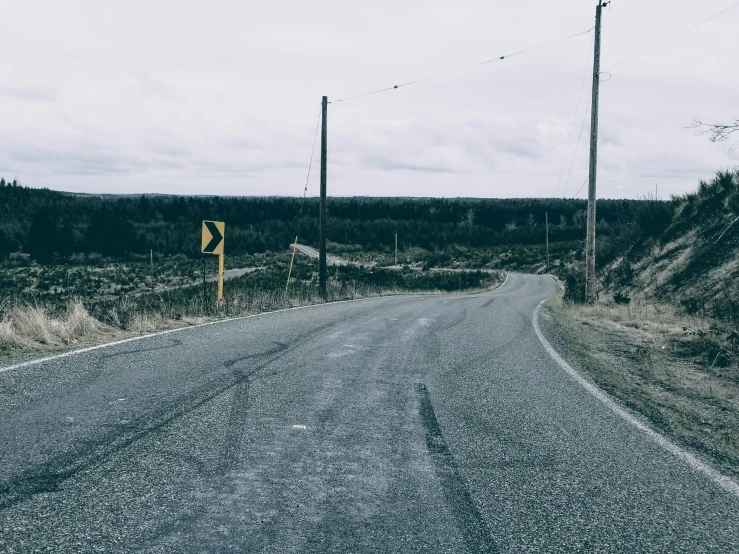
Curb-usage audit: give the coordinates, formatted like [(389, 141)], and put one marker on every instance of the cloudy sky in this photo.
[(223, 97)]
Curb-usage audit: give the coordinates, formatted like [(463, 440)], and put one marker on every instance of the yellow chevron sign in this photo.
[(213, 237)]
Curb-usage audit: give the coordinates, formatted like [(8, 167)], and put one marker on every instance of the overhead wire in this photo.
[(629, 59), (437, 75), (624, 61), (581, 186), (307, 178), (500, 58), (574, 117), (671, 37), (579, 138)]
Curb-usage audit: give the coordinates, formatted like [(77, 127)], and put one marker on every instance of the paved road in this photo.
[(313, 253), (232, 273), (432, 424)]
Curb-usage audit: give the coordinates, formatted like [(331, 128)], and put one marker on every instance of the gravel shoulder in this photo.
[(642, 363)]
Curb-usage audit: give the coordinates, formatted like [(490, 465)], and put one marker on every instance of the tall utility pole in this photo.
[(590, 240), (546, 215), (396, 249), (322, 207)]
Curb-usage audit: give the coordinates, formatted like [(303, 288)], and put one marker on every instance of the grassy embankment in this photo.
[(662, 337), (657, 363)]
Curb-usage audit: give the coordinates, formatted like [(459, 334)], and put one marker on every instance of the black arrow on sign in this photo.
[(217, 237)]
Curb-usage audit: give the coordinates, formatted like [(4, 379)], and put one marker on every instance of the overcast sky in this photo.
[(222, 97)]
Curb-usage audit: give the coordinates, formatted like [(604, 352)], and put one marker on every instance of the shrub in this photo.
[(621, 297), (574, 287), (624, 274)]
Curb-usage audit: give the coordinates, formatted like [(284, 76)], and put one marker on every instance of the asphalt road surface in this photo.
[(313, 253), (232, 273), (431, 424)]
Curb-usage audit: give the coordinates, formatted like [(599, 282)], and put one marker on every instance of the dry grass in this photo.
[(26, 327), (641, 319), (32, 327), (647, 358)]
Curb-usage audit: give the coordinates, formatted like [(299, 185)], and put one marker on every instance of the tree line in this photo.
[(52, 226)]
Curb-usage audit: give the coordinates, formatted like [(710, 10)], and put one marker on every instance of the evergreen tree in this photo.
[(5, 247), (41, 239)]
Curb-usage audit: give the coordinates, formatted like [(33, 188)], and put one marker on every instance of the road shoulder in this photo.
[(695, 407)]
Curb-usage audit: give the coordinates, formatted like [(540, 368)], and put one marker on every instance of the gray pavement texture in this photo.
[(432, 424), (313, 253)]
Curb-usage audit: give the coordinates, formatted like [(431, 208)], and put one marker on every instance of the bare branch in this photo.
[(718, 132)]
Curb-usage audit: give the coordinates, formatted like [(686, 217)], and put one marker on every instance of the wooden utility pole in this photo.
[(396, 249), (546, 215), (590, 239), (322, 208)]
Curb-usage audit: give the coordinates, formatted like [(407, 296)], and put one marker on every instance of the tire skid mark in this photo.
[(234, 436), (278, 349), (49, 476), (459, 318), (430, 338), (299, 340), (519, 331), (471, 524), (486, 304), (196, 463), (172, 344)]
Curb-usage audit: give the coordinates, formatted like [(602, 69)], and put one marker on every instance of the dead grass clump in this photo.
[(146, 323), (33, 327)]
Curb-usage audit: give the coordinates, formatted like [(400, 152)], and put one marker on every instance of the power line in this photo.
[(574, 154), (460, 68), (305, 191), (670, 38), (581, 186), (574, 117)]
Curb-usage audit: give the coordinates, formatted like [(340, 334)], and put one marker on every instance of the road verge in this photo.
[(591, 378), (111, 338)]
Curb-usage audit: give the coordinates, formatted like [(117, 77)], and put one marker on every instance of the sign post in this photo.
[(212, 243), (295, 247)]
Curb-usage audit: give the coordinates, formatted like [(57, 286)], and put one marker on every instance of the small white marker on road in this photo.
[(299, 427)]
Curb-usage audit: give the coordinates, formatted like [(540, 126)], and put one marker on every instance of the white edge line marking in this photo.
[(37, 361), (504, 282), (474, 294), (721, 480)]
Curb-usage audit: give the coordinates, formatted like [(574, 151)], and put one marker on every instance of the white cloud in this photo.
[(183, 98)]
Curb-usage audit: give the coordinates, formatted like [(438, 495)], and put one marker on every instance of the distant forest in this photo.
[(52, 226)]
